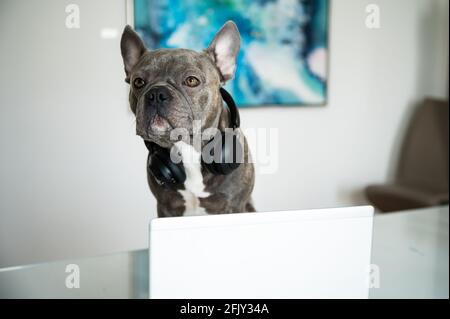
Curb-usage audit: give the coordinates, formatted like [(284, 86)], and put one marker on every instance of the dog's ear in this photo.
[(224, 49), (132, 49)]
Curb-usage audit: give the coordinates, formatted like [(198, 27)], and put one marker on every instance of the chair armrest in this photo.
[(391, 197)]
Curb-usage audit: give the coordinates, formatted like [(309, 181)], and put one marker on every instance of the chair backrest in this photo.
[(425, 154)]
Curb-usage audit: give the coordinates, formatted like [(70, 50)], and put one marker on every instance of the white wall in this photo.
[(72, 172)]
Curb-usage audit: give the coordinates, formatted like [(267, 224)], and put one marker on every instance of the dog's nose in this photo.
[(158, 94)]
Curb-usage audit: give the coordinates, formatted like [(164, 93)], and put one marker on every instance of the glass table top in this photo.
[(410, 254)]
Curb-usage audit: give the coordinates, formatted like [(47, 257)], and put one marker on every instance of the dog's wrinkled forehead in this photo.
[(174, 64)]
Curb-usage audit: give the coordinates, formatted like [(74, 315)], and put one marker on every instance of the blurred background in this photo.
[(72, 170)]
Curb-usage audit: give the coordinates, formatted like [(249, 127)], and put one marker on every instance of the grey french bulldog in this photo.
[(184, 87)]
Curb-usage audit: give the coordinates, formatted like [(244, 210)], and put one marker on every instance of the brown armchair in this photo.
[(423, 173)]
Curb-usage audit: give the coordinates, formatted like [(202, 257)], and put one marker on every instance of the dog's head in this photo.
[(170, 88)]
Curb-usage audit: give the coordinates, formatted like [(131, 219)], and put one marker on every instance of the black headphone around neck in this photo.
[(173, 175)]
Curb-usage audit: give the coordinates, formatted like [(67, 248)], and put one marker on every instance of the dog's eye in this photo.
[(138, 83), (192, 81)]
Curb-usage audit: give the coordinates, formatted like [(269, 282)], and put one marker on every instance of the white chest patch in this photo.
[(195, 188), (192, 204)]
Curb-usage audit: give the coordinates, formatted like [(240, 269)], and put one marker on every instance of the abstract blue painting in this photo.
[(284, 43)]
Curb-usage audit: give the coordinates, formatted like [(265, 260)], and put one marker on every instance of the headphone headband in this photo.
[(235, 120)]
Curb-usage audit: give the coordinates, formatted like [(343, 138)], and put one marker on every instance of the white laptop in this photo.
[(322, 253)]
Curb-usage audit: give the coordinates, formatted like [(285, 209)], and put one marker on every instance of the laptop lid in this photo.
[(322, 253)]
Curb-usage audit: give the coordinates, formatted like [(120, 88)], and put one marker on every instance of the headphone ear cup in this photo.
[(229, 158), (166, 172)]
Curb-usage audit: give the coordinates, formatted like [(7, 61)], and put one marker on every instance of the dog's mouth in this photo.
[(159, 124), (155, 128)]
